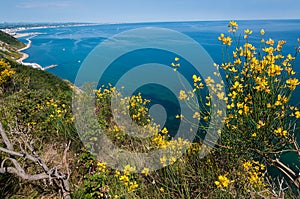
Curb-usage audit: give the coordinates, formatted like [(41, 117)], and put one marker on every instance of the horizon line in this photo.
[(133, 22)]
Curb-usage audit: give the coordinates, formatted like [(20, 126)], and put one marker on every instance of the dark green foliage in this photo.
[(10, 40)]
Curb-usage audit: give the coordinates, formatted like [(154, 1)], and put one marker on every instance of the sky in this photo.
[(115, 11)]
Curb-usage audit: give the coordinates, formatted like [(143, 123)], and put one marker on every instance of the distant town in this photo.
[(13, 28)]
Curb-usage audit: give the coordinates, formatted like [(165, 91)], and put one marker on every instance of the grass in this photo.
[(10, 40), (258, 128)]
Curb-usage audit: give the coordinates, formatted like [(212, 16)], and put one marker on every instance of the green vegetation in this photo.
[(9, 46), (10, 40), (246, 162), (40, 103)]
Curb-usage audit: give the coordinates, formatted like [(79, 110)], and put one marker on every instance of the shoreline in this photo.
[(25, 56), (14, 30)]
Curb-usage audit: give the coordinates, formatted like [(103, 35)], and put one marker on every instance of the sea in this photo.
[(69, 46)]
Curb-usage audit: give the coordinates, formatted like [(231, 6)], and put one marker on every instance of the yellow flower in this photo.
[(274, 70), (262, 31), (220, 87), (6, 71), (196, 79), (179, 116), (163, 161), (281, 132), (117, 173), (292, 83), (145, 171), (281, 100), (101, 166), (221, 95), (124, 178), (220, 38), (260, 124), (233, 26), (233, 94), (253, 135), (209, 80), (247, 164), (176, 59), (240, 112), (237, 61), (270, 42), (233, 23), (164, 130), (182, 95), (220, 113), (237, 86), (128, 169), (248, 32), (290, 57), (270, 51), (262, 84), (197, 115), (297, 114), (225, 40), (233, 70), (208, 103), (132, 186), (172, 160), (222, 181)]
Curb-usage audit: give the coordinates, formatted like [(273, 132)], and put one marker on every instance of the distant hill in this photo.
[(10, 40), (9, 46)]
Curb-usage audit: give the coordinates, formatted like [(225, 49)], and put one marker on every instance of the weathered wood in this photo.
[(30, 154)]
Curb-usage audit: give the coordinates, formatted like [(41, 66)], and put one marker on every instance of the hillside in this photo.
[(41, 155), (30, 100), (10, 40), (9, 46)]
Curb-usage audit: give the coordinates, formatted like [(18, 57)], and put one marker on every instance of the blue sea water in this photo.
[(69, 46)]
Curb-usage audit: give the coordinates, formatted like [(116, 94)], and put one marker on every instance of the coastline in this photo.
[(14, 31), (25, 56)]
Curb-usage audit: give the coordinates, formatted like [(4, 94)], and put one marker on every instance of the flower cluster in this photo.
[(6, 71), (101, 167), (57, 110), (127, 178), (138, 109), (175, 64), (222, 181), (259, 84), (173, 150), (258, 79), (254, 173)]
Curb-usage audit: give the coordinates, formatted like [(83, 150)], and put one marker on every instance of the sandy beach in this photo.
[(19, 35), (25, 56)]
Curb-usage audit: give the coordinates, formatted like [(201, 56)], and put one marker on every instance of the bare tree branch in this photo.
[(29, 153)]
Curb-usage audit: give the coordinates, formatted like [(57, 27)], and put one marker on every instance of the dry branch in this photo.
[(29, 154)]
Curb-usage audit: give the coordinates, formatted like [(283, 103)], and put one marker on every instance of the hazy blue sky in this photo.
[(145, 10)]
